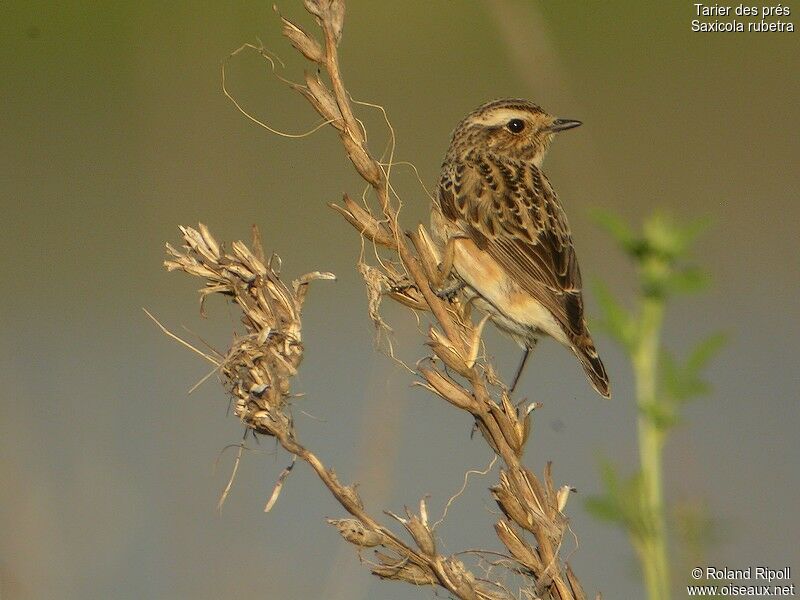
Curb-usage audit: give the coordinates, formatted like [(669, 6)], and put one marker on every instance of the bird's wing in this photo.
[(509, 209)]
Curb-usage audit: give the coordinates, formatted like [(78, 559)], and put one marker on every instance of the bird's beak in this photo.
[(563, 125)]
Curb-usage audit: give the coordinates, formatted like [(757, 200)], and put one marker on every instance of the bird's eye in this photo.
[(515, 125)]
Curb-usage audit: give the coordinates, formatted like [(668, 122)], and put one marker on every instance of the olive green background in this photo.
[(114, 130)]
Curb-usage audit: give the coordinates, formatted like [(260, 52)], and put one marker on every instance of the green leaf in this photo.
[(706, 350), (662, 415), (686, 281), (603, 508), (621, 502), (606, 506), (615, 320), (669, 239), (675, 381), (683, 382), (622, 233)]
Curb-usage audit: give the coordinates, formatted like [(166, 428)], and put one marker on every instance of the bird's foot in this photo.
[(449, 292)]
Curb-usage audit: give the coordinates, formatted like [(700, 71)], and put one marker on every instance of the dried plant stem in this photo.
[(498, 423), (343, 494), (258, 368)]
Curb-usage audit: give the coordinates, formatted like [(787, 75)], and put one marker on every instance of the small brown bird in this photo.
[(505, 235)]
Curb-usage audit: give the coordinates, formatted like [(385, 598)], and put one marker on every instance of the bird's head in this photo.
[(510, 127)]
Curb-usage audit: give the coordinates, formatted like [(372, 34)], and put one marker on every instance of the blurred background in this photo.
[(115, 130)]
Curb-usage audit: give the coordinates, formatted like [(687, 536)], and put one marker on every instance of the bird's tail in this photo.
[(592, 365)]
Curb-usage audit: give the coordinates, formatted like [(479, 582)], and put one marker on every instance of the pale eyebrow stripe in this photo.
[(502, 116)]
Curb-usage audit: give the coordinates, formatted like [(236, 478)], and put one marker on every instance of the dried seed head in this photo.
[(305, 43), (422, 535), (367, 225), (563, 495), (463, 580), (399, 568), (355, 532), (447, 389), (259, 365), (330, 13), (375, 281), (325, 103), (518, 547), (509, 503), (447, 351)]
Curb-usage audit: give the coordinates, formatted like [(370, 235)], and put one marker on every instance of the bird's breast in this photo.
[(488, 278)]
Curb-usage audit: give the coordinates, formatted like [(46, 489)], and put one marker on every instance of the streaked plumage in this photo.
[(511, 241)]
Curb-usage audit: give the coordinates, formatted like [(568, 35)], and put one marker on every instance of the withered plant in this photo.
[(258, 368)]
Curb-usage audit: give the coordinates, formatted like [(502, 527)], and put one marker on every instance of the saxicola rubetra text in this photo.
[(505, 235)]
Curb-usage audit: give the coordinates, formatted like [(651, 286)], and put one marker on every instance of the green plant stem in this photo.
[(653, 549)]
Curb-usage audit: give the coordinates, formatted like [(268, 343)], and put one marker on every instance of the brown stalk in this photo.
[(259, 366)]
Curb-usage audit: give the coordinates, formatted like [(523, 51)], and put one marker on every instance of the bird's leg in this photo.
[(445, 271), (521, 367)]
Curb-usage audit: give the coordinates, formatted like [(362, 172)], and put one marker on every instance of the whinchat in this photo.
[(505, 235)]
